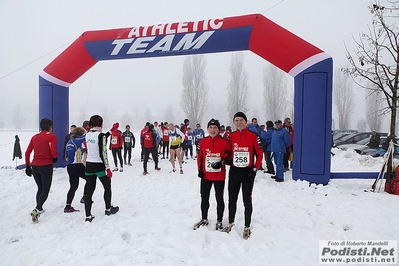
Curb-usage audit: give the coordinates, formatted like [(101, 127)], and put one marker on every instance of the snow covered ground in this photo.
[(157, 212)]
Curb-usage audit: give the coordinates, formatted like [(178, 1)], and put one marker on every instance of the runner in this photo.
[(97, 165), (176, 138), (245, 147), (214, 154), (129, 141)]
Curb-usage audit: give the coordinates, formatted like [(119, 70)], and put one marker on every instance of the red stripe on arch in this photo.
[(279, 46), (71, 63)]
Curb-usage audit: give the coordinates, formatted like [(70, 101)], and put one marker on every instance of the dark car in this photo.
[(355, 137), (378, 151), (357, 147)]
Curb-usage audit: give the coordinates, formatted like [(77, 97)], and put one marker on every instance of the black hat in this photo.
[(147, 124), (186, 120), (240, 114), (278, 121), (214, 122)]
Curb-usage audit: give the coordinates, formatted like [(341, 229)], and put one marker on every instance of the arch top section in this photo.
[(249, 32)]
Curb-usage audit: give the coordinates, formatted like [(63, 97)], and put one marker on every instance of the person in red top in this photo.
[(115, 145), (227, 133), (214, 153), (183, 129), (245, 148), (165, 139), (44, 146), (150, 147), (145, 129), (287, 125)]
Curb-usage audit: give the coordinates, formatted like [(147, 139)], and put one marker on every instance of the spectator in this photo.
[(267, 139), (280, 142), (374, 141), (287, 154)]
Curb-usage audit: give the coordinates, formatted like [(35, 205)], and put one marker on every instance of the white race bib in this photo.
[(241, 159), (209, 161), (127, 139)]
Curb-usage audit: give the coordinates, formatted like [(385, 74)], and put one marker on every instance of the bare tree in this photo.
[(194, 98), (169, 114), (361, 125), (374, 106), (376, 59), (148, 115), (238, 88), (343, 98), (274, 93), (17, 116), (125, 120)]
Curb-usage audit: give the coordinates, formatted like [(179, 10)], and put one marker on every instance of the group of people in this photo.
[(86, 155), (176, 140), (243, 151)]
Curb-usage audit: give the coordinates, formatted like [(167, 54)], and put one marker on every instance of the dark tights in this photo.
[(206, 186), (43, 176)]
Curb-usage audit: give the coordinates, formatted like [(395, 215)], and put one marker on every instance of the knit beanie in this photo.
[(214, 122), (240, 114)]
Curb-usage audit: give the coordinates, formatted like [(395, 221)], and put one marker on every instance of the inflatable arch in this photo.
[(310, 67)]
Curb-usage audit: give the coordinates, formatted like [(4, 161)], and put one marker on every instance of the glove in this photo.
[(55, 159), (114, 127), (200, 173), (217, 165), (228, 161), (252, 174), (133, 146), (109, 173), (28, 170)]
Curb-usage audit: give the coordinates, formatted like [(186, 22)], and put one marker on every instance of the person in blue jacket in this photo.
[(280, 141), (254, 126), (75, 151), (266, 139)]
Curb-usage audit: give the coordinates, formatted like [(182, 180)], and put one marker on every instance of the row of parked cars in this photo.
[(357, 141)]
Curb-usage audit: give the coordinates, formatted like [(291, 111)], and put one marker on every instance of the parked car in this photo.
[(339, 136), (355, 137), (358, 146), (379, 152), (343, 131)]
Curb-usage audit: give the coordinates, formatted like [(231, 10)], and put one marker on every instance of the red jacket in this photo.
[(116, 139), (44, 145), (149, 139), (245, 145), (213, 150), (145, 129), (165, 134)]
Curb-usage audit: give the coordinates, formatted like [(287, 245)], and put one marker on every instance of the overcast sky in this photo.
[(35, 32)]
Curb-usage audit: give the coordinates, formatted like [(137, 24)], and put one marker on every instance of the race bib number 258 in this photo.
[(241, 159)]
